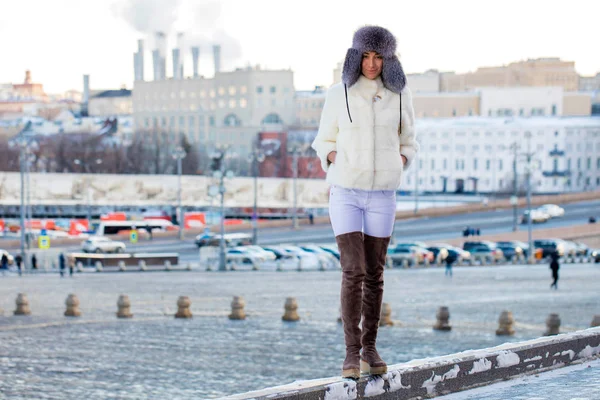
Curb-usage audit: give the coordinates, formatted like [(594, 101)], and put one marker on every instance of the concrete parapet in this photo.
[(447, 374)]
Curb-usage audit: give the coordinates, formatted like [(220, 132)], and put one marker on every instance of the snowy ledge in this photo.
[(431, 377)]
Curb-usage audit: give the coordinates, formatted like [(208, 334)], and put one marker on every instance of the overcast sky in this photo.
[(60, 40)]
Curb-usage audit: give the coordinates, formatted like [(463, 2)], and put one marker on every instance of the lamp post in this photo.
[(179, 154), (88, 187), (218, 168), (514, 200), (295, 154), (528, 156), (255, 157)]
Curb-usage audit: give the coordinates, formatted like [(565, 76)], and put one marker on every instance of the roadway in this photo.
[(420, 228)]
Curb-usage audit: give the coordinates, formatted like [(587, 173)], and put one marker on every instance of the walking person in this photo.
[(33, 261), (450, 259), (366, 140), (554, 266), (71, 262), (61, 264), (19, 262)]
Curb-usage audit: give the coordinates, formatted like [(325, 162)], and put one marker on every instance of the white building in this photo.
[(475, 154), (230, 108), (521, 101), (309, 105)]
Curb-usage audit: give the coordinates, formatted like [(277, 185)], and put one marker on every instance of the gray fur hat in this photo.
[(380, 40)]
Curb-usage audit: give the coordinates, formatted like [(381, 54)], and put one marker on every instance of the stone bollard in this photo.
[(98, 266), (426, 263), (279, 265), (72, 303), (183, 307), (122, 266), (389, 263), (322, 265), (22, 305), (142, 265), (300, 262), (189, 266), (443, 316), (552, 325), (79, 266), (505, 324), (168, 265), (124, 307), (255, 266), (291, 310), (386, 315), (237, 308), (405, 264), (595, 321), (515, 260)]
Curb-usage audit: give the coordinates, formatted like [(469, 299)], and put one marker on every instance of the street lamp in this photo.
[(528, 167), (218, 168), (514, 199), (295, 154), (88, 187), (179, 154), (255, 157)]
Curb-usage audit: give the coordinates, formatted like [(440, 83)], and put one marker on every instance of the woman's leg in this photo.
[(346, 217), (379, 224)]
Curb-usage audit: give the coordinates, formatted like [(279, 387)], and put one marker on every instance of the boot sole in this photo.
[(367, 369), (353, 373)]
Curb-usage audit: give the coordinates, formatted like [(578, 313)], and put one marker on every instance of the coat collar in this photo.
[(367, 88)]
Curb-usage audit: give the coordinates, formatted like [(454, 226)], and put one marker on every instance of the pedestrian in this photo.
[(61, 264), (554, 266), (366, 140), (33, 261), (4, 261), (311, 218), (478, 232), (19, 262), (71, 262), (450, 259)]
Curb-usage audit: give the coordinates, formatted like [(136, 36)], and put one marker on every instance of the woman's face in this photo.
[(372, 63)]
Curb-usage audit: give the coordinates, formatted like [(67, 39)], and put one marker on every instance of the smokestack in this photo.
[(138, 62), (177, 68), (86, 96), (195, 57), (159, 55), (217, 57)]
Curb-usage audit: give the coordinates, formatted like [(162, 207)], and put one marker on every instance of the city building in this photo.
[(589, 83), (309, 104), (110, 103), (532, 72), (476, 154), (230, 108)]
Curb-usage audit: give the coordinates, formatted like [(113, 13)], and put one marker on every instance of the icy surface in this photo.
[(576, 382), (155, 356)]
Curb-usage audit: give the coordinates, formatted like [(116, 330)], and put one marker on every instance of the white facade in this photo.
[(589, 83), (309, 105), (468, 149), (230, 108), (521, 101), (429, 82)]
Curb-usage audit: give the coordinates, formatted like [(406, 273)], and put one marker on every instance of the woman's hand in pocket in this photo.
[(331, 156)]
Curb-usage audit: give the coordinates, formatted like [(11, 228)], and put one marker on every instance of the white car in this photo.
[(265, 254), (552, 210), (100, 244), (536, 216)]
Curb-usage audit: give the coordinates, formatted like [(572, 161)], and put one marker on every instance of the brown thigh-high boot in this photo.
[(352, 261), (375, 255)]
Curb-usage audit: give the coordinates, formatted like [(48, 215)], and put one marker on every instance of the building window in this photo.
[(420, 164), (211, 120), (432, 164), (232, 103), (568, 164), (231, 90), (521, 112), (499, 165), (181, 121), (457, 165), (243, 89), (579, 163), (488, 164), (553, 109), (589, 163), (147, 125), (221, 103), (598, 163), (273, 89), (272, 119), (221, 91), (243, 103), (212, 93), (474, 164), (555, 165), (259, 89), (446, 163), (232, 120)]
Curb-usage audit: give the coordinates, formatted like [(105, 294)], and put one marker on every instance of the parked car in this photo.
[(537, 216), (552, 210), (513, 248), (484, 249), (581, 249), (102, 244), (332, 249), (231, 239), (266, 254), (240, 255), (410, 254), (280, 254), (549, 246)]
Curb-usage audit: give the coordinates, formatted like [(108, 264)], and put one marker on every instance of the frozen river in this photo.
[(153, 355)]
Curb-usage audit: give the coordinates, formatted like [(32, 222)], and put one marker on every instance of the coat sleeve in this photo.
[(408, 143), (326, 140)]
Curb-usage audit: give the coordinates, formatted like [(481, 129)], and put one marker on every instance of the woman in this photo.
[(366, 140)]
